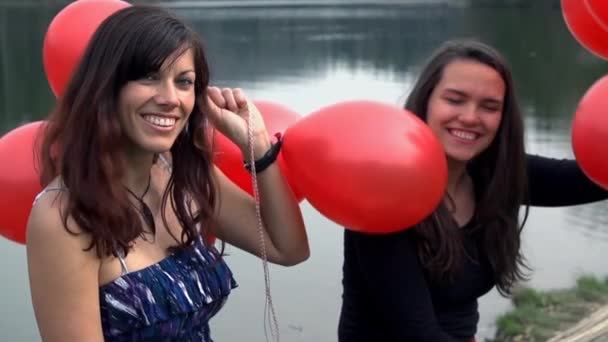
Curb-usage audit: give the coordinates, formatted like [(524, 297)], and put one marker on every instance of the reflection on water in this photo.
[(552, 138), (309, 58), (337, 83), (589, 220)]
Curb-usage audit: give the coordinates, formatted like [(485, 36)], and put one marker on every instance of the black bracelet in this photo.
[(268, 158)]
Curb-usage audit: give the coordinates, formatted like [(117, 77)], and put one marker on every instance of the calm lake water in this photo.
[(308, 58)]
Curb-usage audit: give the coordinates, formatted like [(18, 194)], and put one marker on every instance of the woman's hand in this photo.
[(230, 111)]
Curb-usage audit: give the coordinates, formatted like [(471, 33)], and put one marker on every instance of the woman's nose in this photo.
[(167, 95), (469, 115)]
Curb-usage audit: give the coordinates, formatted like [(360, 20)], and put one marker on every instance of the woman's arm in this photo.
[(63, 278), (387, 268), (236, 221), (560, 182)]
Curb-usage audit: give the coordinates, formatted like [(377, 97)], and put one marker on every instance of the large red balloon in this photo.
[(69, 34), (584, 27), (599, 10), (19, 180), (368, 166), (590, 133), (229, 158)]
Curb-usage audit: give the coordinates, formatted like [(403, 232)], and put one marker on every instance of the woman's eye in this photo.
[(454, 100), (490, 108), (185, 81)]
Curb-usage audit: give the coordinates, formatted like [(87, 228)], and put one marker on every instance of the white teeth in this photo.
[(160, 121), (464, 135)]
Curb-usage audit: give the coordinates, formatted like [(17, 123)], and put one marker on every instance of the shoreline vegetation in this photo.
[(553, 314), (552, 4)]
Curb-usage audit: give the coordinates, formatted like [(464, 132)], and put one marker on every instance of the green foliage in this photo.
[(539, 315)]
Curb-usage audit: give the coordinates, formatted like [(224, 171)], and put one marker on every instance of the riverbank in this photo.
[(576, 314), (255, 3), (354, 3), (306, 3), (309, 3)]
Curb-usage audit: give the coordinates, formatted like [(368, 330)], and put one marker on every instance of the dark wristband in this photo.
[(268, 158)]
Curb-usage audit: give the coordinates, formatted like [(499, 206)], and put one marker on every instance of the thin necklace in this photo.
[(144, 209)]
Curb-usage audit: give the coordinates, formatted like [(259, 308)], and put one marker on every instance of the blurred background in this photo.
[(310, 54)]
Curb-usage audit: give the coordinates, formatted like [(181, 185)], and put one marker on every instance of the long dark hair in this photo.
[(499, 175), (82, 141)]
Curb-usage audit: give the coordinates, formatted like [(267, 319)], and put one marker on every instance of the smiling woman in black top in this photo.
[(422, 284)]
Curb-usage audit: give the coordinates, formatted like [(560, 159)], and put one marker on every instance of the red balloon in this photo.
[(368, 166), (210, 239), (19, 180), (68, 35), (599, 11), (229, 158), (584, 27), (590, 133)]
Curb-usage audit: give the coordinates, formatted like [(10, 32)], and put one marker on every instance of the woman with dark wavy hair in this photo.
[(115, 241), (422, 284)]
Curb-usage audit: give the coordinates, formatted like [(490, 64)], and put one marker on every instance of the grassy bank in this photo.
[(537, 315)]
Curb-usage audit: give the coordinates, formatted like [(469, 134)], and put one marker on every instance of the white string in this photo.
[(270, 318)]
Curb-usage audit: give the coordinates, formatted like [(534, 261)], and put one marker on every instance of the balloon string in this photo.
[(270, 318)]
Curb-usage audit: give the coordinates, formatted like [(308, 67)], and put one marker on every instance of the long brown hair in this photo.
[(499, 175), (82, 140)]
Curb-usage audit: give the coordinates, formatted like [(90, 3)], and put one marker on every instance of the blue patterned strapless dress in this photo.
[(171, 300)]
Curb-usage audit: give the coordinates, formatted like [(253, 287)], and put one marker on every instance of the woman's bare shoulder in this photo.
[(46, 223), (63, 271)]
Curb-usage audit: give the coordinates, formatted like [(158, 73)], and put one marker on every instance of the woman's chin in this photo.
[(460, 157)]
